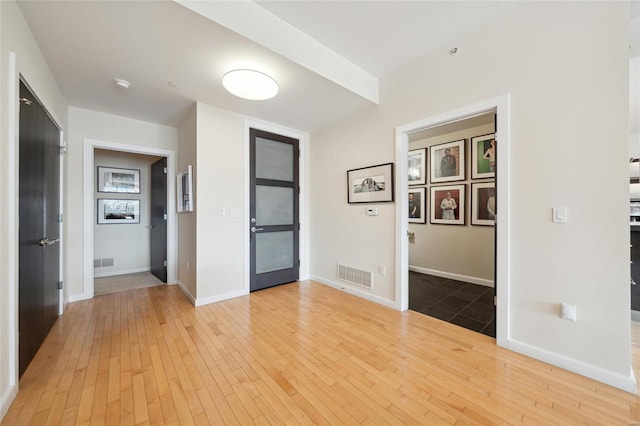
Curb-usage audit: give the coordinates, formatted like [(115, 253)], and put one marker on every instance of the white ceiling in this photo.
[(149, 43), (381, 36), (327, 56)]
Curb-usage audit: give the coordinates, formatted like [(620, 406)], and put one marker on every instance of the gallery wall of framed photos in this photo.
[(452, 198)]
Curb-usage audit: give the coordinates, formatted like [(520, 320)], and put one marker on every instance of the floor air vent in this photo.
[(355, 276)]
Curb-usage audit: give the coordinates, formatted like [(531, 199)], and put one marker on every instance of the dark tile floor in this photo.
[(457, 302)]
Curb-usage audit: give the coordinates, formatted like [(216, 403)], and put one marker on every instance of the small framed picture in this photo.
[(447, 161), (118, 211), (447, 204), (417, 205), (483, 156), (483, 203), (111, 179), (372, 184), (418, 166)]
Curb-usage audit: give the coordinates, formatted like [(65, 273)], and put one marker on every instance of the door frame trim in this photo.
[(499, 104), (303, 200), (88, 167)]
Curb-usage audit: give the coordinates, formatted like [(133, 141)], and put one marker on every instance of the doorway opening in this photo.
[(137, 203), (500, 107), (451, 222), (130, 233)]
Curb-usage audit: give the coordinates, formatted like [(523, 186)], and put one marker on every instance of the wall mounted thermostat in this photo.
[(372, 211)]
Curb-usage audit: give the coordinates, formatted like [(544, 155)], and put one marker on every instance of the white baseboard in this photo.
[(348, 288), (211, 299), (7, 399), (442, 274), (119, 272), (186, 292), (77, 297), (617, 380), (220, 297)]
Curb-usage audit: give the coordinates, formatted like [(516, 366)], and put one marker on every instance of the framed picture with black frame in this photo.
[(448, 204), (417, 166), (417, 205), (483, 156), (483, 203), (447, 161), (118, 211), (112, 179), (373, 184)]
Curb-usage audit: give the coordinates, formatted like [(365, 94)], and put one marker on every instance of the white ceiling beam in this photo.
[(261, 26)]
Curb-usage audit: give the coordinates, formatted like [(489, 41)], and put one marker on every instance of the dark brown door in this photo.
[(159, 219), (39, 209), (274, 223)]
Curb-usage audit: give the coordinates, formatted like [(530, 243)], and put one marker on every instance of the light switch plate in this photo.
[(560, 215), (568, 311)]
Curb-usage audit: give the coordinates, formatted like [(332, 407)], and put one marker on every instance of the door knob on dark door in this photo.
[(47, 242), (254, 229)]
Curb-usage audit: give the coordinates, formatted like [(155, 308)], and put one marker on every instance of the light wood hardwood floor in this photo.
[(295, 354)]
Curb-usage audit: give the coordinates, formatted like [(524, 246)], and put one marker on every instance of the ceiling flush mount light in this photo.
[(250, 84), (123, 84)]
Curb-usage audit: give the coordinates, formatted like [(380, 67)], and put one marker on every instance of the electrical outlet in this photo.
[(187, 265), (382, 270)]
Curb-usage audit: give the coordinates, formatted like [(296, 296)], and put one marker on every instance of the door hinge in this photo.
[(165, 263), (60, 218), (25, 101), (59, 285), (298, 226), (165, 170), (62, 149), (165, 216), (298, 263), (495, 301)]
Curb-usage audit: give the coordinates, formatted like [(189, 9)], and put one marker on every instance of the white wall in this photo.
[(566, 68), (215, 243), (83, 124), (220, 177), (465, 253), (134, 254), (16, 37), (187, 235)]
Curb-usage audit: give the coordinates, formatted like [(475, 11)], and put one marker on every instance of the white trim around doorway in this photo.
[(88, 168), (500, 105)]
